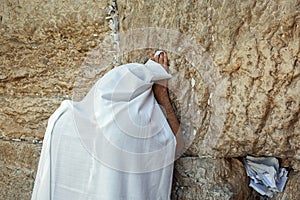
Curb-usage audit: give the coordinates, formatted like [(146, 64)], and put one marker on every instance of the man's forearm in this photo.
[(162, 97)]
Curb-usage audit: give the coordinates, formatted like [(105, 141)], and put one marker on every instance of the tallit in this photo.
[(114, 144)]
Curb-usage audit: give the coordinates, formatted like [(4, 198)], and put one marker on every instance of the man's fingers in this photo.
[(161, 58), (165, 64)]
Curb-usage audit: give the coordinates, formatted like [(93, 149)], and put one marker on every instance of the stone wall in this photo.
[(236, 84), (44, 46)]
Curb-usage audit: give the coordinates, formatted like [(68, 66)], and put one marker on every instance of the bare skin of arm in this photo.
[(161, 94)]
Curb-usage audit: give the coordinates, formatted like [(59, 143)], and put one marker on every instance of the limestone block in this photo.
[(208, 178), (44, 44), (235, 83), (50, 51), (251, 105), (26, 117), (18, 167), (16, 183), (20, 154)]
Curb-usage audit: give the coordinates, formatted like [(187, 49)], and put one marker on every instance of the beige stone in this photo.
[(208, 178), (254, 46), (26, 117), (235, 86), (20, 154), (50, 51), (44, 43), (18, 165)]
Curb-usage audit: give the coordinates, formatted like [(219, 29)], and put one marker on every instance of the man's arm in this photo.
[(161, 94)]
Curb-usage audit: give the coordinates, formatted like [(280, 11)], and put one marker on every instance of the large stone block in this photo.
[(236, 64), (208, 178), (211, 178), (26, 117), (20, 154), (44, 44), (18, 165), (235, 88), (50, 51)]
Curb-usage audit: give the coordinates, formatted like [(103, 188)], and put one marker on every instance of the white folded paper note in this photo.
[(265, 175)]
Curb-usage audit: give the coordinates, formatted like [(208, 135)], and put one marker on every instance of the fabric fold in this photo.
[(114, 144)]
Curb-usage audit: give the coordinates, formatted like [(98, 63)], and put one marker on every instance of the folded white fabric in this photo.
[(265, 175), (114, 144)]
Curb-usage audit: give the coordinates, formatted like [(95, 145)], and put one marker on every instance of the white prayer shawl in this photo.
[(114, 144)]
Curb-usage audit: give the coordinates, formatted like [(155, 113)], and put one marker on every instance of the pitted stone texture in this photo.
[(212, 178), (50, 51), (208, 178), (44, 43), (47, 55), (26, 117), (255, 47), (18, 165)]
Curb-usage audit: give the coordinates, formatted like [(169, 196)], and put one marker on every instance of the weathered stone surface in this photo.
[(208, 178), (18, 164), (236, 81), (48, 53), (211, 178), (26, 117), (255, 48), (44, 43)]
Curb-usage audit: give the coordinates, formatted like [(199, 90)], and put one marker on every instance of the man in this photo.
[(118, 143)]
